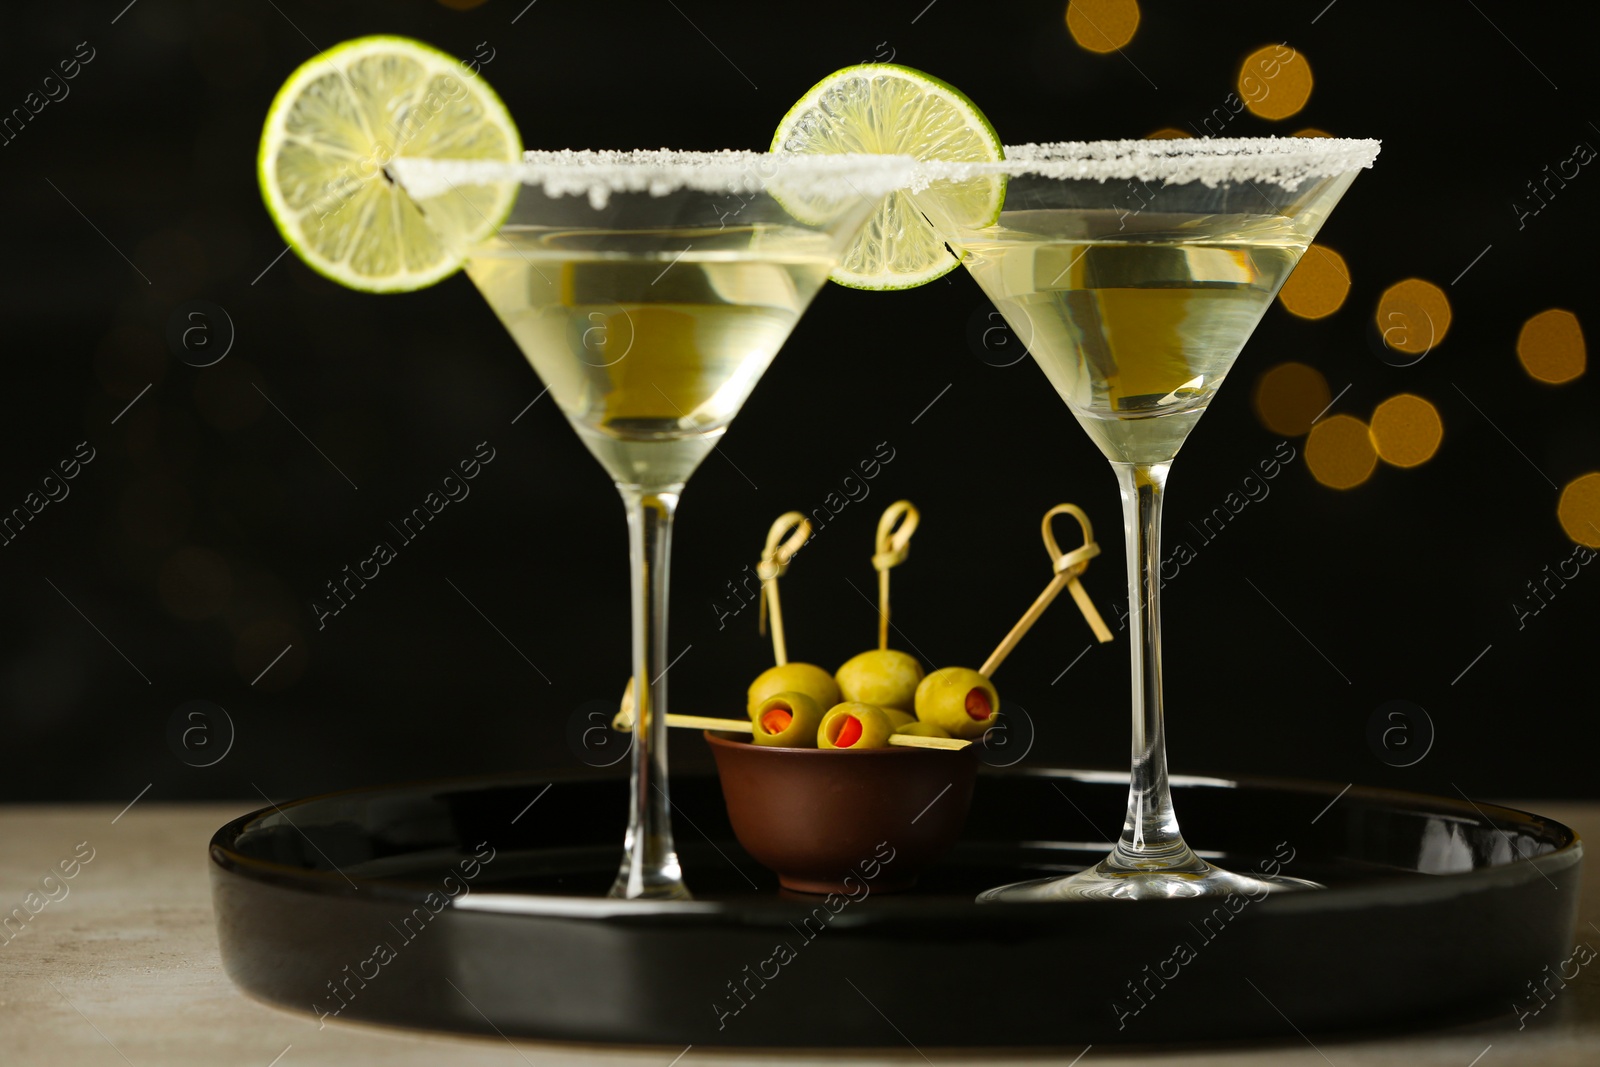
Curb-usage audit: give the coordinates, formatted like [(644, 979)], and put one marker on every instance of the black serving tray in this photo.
[(1435, 909)]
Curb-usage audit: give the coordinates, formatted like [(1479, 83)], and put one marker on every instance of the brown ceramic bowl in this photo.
[(826, 821)]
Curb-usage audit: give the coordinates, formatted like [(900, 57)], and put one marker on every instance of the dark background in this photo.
[(187, 555)]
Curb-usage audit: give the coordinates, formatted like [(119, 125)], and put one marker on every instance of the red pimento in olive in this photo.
[(978, 704), (854, 725), (787, 720), (849, 733), (958, 699)]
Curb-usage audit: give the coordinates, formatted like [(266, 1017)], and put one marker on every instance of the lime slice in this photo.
[(884, 108), (335, 124)]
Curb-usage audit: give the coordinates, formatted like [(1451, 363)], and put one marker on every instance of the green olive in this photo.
[(883, 677), (961, 700), (787, 720), (898, 718), (922, 729), (853, 725), (806, 678)]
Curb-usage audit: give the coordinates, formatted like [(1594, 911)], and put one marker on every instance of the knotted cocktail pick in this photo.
[(1068, 567), (774, 561), (788, 535), (890, 550)]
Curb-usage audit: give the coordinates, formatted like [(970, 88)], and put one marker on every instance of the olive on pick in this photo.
[(898, 718), (958, 699), (806, 678), (854, 725), (787, 720), (883, 677), (922, 729)]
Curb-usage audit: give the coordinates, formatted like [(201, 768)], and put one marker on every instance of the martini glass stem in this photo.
[(650, 861), (1150, 838)]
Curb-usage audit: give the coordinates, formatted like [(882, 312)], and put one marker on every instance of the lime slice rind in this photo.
[(886, 107), (329, 134)]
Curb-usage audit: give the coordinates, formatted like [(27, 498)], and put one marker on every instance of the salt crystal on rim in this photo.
[(598, 174), (1283, 161)]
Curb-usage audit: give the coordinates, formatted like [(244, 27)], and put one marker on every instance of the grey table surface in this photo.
[(119, 966)]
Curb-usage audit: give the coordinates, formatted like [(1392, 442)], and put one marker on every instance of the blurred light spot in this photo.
[(1579, 510), (160, 439), (1168, 133), (1289, 397), (194, 583), (248, 493), (257, 647), (354, 436), (1311, 131), (176, 262), (1551, 347), (1318, 286), (1413, 316), (128, 359), (142, 435), (1275, 81), (126, 560), (155, 511), (1339, 452), (1406, 430), (258, 597), (224, 395), (168, 25), (1102, 25), (226, 237)]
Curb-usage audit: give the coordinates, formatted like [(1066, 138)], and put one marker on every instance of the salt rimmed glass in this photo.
[(1135, 271), (650, 290)]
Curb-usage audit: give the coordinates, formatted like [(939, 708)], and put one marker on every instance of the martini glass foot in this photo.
[(1118, 877)]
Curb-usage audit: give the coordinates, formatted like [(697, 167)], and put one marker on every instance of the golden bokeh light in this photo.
[(128, 359), (156, 511), (1413, 316), (1318, 286), (225, 396), (1339, 452), (1406, 430), (1551, 347), (1102, 25), (1275, 81), (194, 583), (258, 596), (1311, 131), (1289, 397), (1168, 133), (1579, 510)]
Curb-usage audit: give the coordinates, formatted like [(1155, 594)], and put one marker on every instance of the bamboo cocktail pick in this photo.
[(623, 721), (1068, 567), (745, 726), (890, 550), (788, 535)]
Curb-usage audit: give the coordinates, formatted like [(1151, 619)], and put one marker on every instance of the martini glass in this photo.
[(1135, 271), (650, 290)]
